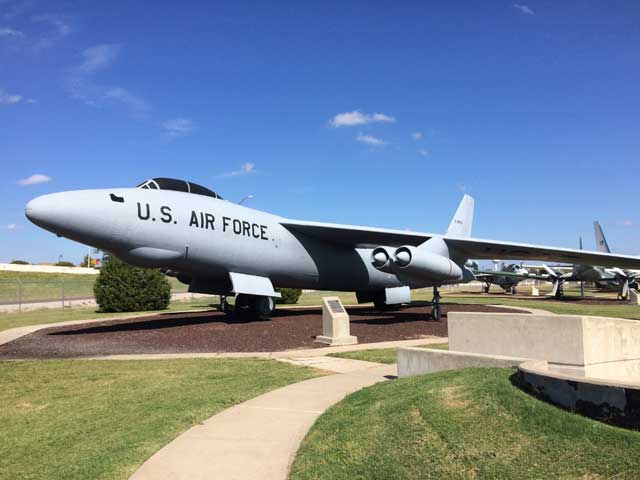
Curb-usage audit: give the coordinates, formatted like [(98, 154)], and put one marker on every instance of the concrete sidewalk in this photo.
[(258, 439)]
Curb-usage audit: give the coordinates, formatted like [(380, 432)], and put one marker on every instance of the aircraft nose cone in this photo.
[(36, 209), (54, 212)]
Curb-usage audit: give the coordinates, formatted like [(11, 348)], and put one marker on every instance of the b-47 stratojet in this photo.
[(222, 248)]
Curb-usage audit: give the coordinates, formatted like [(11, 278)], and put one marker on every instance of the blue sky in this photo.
[(373, 113)]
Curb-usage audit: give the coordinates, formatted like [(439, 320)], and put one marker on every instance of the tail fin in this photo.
[(462, 221), (601, 242)]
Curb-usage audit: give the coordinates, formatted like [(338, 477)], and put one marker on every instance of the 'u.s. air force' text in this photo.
[(207, 221)]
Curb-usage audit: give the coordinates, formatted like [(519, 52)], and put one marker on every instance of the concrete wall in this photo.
[(418, 361), (562, 339), (556, 338), (8, 267)]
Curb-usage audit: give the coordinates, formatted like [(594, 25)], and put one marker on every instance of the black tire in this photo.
[(263, 307)]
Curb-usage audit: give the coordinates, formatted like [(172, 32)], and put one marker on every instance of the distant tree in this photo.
[(19, 262), (124, 288), (64, 263), (289, 295)]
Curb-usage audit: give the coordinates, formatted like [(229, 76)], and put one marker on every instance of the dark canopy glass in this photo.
[(176, 185)]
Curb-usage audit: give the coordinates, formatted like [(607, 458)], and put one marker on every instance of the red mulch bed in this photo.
[(213, 331)]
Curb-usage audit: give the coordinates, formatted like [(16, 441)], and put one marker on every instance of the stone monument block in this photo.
[(335, 324)]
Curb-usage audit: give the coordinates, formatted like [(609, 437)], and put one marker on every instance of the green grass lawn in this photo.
[(33, 286), (36, 317), (382, 355), (463, 424), (102, 419)]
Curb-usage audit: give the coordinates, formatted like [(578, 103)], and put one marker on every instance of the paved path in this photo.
[(258, 439)]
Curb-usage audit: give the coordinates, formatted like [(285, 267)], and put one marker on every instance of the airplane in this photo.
[(222, 248), (600, 275), (625, 279), (507, 278)]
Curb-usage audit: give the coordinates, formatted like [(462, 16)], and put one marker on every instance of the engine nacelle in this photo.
[(381, 258), (420, 264)]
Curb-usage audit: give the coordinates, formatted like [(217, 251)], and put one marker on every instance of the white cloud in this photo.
[(349, 119), (417, 135), (100, 56), (12, 227), (424, 152), (524, 9), (7, 99), (81, 85), (57, 21), (245, 169), (461, 187), (10, 32), (34, 179), (178, 127), (627, 223), (370, 140)]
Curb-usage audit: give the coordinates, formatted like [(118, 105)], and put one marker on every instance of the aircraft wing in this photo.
[(354, 236), (366, 237)]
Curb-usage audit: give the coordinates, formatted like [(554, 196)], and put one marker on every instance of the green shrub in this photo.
[(123, 288), (289, 295), (64, 263), (19, 262)]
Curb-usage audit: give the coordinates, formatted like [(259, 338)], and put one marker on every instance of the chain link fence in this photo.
[(21, 295)]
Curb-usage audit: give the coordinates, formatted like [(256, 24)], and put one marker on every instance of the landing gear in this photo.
[(254, 306), (435, 304), (224, 304)]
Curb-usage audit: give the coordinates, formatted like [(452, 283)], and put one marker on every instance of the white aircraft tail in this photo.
[(601, 242), (462, 221)]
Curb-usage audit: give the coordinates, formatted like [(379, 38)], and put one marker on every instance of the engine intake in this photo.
[(381, 259)]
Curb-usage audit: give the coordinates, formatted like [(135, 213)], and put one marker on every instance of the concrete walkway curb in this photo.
[(258, 439), (287, 354)]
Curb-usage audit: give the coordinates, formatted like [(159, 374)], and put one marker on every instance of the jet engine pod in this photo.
[(381, 259), (420, 264)]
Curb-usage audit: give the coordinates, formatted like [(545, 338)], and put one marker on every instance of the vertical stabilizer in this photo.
[(601, 242), (462, 221)]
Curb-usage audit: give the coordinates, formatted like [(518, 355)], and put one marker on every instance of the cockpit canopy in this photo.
[(178, 186)]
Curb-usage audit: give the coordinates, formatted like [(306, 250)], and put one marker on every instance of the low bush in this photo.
[(19, 262), (289, 295), (124, 288), (64, 263)]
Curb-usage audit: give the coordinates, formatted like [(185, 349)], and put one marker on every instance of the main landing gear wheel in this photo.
[(435, 305), (254, 306)]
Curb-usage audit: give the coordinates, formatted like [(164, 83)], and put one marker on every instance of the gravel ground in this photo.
[(213, 331)]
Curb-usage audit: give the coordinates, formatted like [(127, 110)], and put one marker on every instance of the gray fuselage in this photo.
[(205, 238)]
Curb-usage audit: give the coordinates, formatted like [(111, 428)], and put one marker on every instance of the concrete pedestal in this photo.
[(634, 296), (335, 324), (535, 292)]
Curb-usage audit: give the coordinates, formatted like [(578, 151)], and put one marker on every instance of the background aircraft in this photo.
[(599, 275), (222, 248), (507, 277)]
